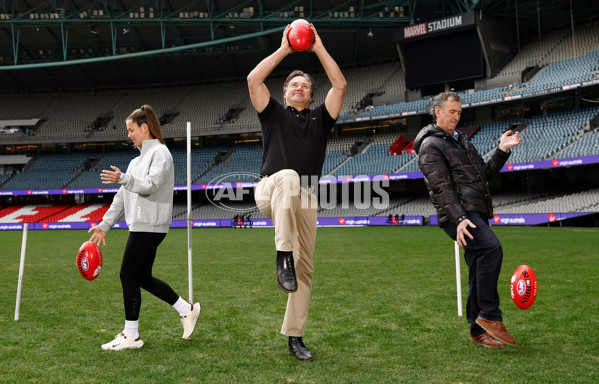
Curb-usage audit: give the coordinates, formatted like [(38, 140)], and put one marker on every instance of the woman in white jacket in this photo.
[(146, 199)]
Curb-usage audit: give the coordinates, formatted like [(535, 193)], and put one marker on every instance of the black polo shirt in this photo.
[(293, 139)]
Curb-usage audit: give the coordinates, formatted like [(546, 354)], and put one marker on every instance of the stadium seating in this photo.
[(204, 106), (565, 72), (201, 161), (587, 144), (5, 177), (84, 212), (376, 160), (585, 201), (50, 170), (30, 213), (555, 134), (548, 134), (91, 178), (242, 166)]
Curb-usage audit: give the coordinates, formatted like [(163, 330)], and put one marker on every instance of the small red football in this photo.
[(89, 260), (300, 35), (524, 287)]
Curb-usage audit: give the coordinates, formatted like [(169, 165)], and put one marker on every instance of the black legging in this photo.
[(136, 272)]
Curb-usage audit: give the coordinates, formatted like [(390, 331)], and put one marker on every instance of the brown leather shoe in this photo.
[(497, 330), (488, 341)]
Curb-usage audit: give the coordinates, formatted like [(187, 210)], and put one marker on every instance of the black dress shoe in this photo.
[(299, 350), (286, 272)]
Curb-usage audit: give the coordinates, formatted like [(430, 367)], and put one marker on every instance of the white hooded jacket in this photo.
[(146, 193)]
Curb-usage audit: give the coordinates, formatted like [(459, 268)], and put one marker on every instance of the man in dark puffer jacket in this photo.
[(456, 177)]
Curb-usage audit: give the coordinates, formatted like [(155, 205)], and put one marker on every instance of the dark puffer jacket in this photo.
[(455, 174)]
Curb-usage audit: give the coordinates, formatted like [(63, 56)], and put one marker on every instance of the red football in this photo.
[(524, 287), (89, 260), (300, 35)]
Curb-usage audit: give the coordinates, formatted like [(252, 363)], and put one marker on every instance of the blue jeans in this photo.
[(484, 256)]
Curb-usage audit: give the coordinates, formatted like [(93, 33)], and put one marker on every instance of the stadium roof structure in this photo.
[(81, 44)]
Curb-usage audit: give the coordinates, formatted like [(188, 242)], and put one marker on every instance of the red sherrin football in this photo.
[(524, 287), (300, 35), (89, 260)]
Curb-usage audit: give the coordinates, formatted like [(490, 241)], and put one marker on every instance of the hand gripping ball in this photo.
[(523, 287), (89, 260), (300, 35)]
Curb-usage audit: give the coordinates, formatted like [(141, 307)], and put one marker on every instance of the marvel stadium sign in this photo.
[(435, 26)]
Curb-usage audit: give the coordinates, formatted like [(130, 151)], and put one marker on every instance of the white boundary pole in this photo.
[(458, 277), (189, 247), (21, 270)]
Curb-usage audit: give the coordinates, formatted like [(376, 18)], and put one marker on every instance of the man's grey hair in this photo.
[(303, 74), (440, 99)]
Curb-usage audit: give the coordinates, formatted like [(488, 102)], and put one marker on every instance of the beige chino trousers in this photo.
[(293, 212)]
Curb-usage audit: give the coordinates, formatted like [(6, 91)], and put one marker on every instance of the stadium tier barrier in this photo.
[(509, 167), (507, 219)]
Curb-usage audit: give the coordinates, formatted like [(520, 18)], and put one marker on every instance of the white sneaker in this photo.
[(121, 342), (189, 321)]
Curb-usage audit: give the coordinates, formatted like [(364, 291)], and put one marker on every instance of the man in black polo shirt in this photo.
[(294, 139)]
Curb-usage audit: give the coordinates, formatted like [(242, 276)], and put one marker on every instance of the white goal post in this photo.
[(189, 225), (458, 277), (21, 270)]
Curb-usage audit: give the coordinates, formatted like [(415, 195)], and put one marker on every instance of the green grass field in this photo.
[(383, 310)]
